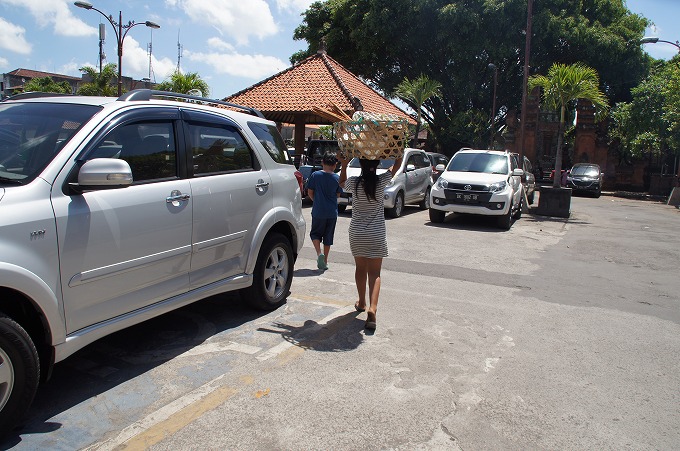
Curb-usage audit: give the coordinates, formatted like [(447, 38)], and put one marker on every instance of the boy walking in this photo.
[(323, 189)]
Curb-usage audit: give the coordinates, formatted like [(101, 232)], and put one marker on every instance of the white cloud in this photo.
[(238, 19), (219, 44), (136, 62), (12, 38), (3, 63), (57, 13), (294, 5), (253, 67)]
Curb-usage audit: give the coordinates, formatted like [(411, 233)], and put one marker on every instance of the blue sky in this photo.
[(231, 44)]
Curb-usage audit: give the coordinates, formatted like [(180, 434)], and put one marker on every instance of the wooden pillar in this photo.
[(299, 134)]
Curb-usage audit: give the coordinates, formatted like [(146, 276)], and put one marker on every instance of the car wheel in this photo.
[(518, 214), (425, 203), (19, 373), (342, 208), (598, 193), (437, 216), (273, 274), (505, 221), (398, 208), (530, 198)]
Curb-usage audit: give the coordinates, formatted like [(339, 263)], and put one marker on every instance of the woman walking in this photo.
[(367, 231)]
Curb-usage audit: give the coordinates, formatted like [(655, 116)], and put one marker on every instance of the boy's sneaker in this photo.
[(320, 263)]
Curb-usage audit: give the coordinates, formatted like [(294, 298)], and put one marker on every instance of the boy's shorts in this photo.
[(323, 230)]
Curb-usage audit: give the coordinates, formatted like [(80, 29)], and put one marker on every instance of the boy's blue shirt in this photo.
[(326, 189)]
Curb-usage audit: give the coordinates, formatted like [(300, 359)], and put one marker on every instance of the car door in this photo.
[(417, 178), (124, 249), (229, 189)]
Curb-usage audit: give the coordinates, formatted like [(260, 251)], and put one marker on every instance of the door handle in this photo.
[(177, 196), (261, 184)]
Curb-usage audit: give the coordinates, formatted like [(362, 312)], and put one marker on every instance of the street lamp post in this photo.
[(654, 40), (121, 31), (493, 67)]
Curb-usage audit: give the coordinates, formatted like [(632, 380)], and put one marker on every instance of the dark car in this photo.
[(586, 178), (435, 159)]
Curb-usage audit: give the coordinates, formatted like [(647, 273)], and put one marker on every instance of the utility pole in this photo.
[(179, 51), (102, 37)]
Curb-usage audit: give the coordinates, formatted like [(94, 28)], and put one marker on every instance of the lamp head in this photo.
[(649, 40), (150, 24), (84, 5)]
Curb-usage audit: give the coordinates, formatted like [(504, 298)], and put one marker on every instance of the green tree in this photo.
[(184, 83), (102, 84), (46, 84), (453, 42), (649, 125), (560, 89), (415, 93)]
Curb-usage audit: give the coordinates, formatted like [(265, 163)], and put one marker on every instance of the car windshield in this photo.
[(588, 171), (384, 164), (31, 134), (479, 162)]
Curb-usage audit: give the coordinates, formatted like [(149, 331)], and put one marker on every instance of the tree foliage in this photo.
[(101, 84), (46, 84), (649, 125), (415, 93), (184, 83), (453, 42), (564, 85)]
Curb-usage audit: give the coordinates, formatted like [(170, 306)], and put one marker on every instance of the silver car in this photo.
[(411, 183), (113, 211)]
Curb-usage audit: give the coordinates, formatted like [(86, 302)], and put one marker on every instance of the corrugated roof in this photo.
[(313, 82), (38, 74)]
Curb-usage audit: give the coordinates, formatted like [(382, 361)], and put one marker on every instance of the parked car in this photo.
[(116, 210), (482, 182), (586, 178), (528, 179), (437, 159), (411, 182), (310, 160)]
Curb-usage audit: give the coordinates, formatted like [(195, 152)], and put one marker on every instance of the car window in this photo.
[(148, 147), (31, 134), (218, 148), (422, 161), (272, 141), (384, 164), (590, 171), (479, 162)]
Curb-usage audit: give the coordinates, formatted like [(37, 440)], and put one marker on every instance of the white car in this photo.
[(411, 183), (116, 210), (482, 182)]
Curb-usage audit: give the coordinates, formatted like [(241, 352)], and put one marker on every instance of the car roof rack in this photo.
[(34, 95), (147, 94)]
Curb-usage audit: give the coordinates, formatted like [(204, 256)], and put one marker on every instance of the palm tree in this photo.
[(563, 85), (416, 93), (184, 83), (101, 81)]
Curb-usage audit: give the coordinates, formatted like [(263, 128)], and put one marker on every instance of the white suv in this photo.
[(113, 211), (483, 182)]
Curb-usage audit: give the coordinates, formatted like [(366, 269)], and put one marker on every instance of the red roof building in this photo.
[(291, 95)]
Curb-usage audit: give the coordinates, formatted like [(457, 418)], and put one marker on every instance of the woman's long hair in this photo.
[(369, 176)]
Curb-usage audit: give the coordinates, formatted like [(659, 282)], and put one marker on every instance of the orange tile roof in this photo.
[(39, 74), (313, 82)]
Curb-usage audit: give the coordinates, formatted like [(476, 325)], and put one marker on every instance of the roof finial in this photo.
[(322, 46)]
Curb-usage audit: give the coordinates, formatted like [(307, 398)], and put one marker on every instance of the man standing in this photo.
[(323, 189)]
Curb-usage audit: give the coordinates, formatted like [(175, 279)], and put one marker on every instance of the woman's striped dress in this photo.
[(367, 232)]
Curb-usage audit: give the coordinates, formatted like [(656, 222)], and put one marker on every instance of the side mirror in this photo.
[(440, 168), (410, 167), (104, 173), (518, 172)]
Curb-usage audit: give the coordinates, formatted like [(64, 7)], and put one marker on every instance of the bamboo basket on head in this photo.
[(372, 136)]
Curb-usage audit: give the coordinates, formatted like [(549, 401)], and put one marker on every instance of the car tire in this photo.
[(598, 193), (425, 203), (342, 208), (518, 214), (505, 221), (437, 216), (19, 373), (273, 274), (398, 208), (530, 198)]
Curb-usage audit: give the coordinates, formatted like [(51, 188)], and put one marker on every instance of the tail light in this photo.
[(298, 176)]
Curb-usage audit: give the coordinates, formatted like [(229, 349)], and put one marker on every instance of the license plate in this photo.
[(467, 197)]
